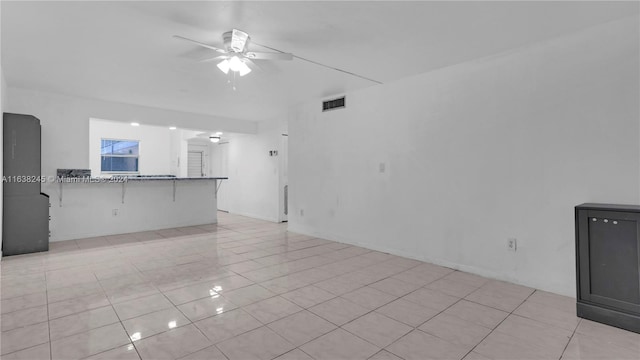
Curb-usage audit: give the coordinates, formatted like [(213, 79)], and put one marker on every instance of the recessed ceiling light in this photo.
[(135, 124), (172, 127)]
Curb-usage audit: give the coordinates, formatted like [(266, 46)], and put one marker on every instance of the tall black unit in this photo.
[(608, 264), (25, 211)]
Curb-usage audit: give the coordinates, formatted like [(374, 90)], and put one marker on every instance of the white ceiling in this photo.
[(124, 51)]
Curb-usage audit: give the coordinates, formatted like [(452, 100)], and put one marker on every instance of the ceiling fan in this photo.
[(236, 55)]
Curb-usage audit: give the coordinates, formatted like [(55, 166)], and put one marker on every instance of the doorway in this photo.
[(194, 164)]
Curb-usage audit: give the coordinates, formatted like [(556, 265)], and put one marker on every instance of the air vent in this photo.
[(333, 104)]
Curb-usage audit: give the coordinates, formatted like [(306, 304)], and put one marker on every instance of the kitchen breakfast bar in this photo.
[(84, 207)]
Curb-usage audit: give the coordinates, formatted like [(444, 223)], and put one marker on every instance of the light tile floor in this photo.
[(248, 289)]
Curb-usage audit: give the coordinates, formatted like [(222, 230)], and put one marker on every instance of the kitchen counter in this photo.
[(124, 179), (94, 206)]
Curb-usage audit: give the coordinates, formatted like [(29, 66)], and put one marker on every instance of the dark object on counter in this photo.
[(73, 173), (25, 212), (608, 264)]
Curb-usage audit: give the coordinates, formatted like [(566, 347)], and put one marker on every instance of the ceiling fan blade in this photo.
[(268, 56), (221, 57), (201, 44), (252, 64)]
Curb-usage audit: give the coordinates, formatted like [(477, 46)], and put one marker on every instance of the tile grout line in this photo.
[(239, 334), (46, 294), (242, 308), (442, 311), (417, 327), (400, 297), (190, 321), (494, 329), (258, 283), (131, 343), (46, 321), (570, 338), (338, 326)]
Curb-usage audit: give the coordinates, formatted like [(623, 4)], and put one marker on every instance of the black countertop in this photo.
[(124, 179)]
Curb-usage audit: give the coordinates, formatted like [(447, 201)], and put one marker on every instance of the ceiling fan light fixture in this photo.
[(244, 69), (235, 64), (214, 139), (224, 66)]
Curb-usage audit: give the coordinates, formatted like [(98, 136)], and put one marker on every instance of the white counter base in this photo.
[(88, 208)]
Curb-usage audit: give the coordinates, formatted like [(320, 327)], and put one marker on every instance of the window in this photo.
[(119, 156)]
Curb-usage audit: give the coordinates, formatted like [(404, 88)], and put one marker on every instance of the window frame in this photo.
[(120, 156)]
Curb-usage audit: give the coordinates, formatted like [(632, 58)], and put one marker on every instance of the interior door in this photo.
[(194, 164)]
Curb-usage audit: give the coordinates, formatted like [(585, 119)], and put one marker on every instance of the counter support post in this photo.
[(219, 182)]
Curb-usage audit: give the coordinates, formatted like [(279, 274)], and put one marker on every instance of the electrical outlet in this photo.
[(114, 212), (512, 244), (301, 212), (382, 167)]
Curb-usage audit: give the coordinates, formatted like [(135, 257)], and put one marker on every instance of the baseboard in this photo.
[(420, 257), (77, 236), (254, 216), (607, 316)]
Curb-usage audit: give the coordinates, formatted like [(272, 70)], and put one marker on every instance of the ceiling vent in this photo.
[(333, 104)]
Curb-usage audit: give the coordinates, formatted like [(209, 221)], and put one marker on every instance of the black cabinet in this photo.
[(608, 264)]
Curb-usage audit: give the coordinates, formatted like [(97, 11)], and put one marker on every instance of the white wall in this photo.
[(181, 141), (154, 147), (65, 123), (175, 146), (66, 142), (475, 154), (253, 185)]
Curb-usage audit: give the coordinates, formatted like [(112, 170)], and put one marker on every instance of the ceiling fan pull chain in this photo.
[(234, 81)]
